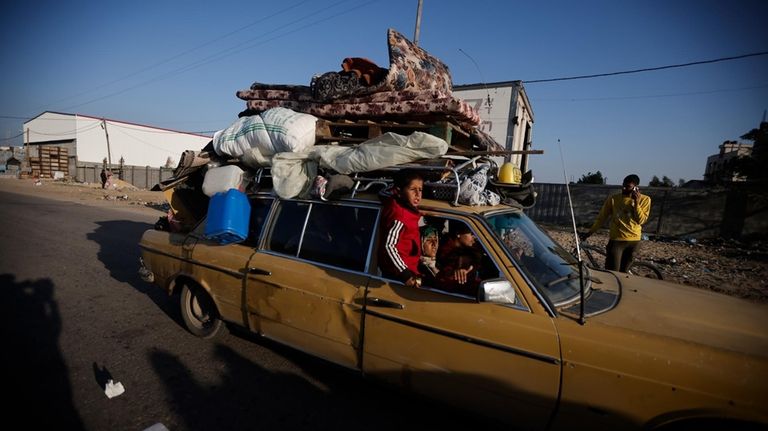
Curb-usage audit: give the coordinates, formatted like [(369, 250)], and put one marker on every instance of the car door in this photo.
[(500, 360), (304, 279), (221, 269)]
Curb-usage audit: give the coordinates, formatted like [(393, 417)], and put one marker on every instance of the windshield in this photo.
[(547, 265)]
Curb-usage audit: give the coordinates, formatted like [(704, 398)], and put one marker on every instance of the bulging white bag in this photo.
[(221, 179), (243, 134), (290, 131)]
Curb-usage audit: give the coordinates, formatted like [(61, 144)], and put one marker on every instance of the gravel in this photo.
[(723, 266)]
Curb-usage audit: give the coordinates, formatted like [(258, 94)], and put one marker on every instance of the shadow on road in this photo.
[(39, 392), (250, 396), (118, 242)]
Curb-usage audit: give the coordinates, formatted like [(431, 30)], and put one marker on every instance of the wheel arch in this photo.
[(181, 279)]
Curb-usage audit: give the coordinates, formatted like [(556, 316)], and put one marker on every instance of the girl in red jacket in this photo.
[(401, 242)]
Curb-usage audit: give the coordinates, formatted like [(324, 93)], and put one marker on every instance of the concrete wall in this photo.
[(143, 177), (740, 211)]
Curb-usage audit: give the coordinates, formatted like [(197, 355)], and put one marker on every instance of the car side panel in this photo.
[(496, 360), (221, 270), (308, 306), (616, 378)]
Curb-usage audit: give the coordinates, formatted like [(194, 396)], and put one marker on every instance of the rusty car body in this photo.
[(640, 354)]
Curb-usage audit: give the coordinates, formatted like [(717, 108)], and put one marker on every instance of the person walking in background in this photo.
[(627, 212)]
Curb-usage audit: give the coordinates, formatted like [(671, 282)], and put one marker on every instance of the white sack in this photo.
[(243, 134), (221, 179), (292, 174), (383, 151), (289, 130)]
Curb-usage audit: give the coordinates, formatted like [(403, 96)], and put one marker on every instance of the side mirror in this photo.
[(497, 290)]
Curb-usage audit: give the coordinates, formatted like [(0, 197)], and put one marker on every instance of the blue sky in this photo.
[(177, 64)]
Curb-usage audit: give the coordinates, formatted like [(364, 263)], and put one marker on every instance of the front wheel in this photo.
[(645, 269), (199, 312)]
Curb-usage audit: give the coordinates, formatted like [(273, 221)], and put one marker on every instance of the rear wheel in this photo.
[(199, 312), (645, 269)]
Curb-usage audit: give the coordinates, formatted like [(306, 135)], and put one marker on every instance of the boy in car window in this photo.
[(401, 242)]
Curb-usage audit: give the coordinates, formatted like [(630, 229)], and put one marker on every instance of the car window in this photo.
[(450, 247), (259, 211), (338, 235), (286, 231)]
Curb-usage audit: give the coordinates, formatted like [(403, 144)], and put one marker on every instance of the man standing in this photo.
[(627, 211)]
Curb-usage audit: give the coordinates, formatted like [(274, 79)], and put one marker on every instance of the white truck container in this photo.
[(506, 113)]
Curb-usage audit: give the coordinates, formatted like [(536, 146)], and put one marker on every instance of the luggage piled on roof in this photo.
[(360, 122)]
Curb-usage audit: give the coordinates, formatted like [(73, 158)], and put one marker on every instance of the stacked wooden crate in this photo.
[(50, 160)]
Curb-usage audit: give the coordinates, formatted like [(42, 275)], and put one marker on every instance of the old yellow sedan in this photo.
[(529, 340)]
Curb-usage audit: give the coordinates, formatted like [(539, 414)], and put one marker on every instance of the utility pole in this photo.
[(109, 152), (27, 165), (418, 24)]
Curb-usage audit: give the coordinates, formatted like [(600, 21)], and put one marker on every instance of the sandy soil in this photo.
[(121, 195), (722, 266)]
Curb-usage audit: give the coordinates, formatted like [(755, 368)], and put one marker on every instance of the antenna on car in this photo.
[(575, 237)]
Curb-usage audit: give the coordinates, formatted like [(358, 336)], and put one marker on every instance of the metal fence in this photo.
[(143, 177), (738, 211)]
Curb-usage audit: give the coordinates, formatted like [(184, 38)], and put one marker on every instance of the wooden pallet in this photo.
[(50, 160)]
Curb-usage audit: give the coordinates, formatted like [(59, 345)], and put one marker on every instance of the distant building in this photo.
[(719, 165), (506, 115), (90, 140), (10, 160)]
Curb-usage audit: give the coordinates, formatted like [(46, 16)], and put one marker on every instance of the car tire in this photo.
[(199, 312)]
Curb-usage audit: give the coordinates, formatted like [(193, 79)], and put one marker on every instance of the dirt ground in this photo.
[(722, 266)]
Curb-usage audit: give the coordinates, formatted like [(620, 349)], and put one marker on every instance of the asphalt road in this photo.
[(74, 314)]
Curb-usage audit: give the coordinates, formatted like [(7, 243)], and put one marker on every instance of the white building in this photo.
[(719, 167), (506, 114), (90, 140)]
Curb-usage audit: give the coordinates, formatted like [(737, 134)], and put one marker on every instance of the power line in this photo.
[(169, 59), (647, 69), (12, 137), (653, 96), (225, 53)]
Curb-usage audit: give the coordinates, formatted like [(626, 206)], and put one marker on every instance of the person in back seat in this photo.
[(400, 240), (459, 261)]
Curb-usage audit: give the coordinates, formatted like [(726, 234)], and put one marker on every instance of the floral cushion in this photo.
[(412, 68)]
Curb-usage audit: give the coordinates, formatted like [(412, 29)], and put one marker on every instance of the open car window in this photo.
[(453, 258)]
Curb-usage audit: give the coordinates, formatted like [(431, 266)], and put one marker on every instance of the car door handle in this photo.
[(258, 271), (378, 302)]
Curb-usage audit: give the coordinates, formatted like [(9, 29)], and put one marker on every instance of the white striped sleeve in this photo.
[(393, 236)]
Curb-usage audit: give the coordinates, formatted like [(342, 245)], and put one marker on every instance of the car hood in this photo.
[(690, 314)]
